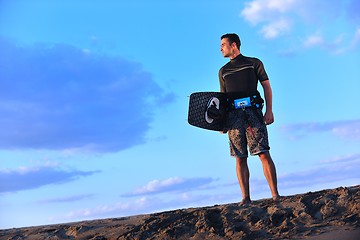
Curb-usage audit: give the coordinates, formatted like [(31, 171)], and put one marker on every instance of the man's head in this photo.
[(230, 45)]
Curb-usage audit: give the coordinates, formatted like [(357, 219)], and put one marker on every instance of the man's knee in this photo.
[(241, 160), (265, 157)]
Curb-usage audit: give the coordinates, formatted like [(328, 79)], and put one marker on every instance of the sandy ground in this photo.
[(328, 214)]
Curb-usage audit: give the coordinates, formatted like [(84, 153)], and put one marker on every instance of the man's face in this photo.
[(226, 49)]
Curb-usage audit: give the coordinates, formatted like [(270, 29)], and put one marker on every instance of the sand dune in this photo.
[(328, 214)]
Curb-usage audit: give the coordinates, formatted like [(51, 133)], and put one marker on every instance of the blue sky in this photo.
[(94, 97)]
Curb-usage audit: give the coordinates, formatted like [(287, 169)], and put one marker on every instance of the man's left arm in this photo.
[(268, 116)]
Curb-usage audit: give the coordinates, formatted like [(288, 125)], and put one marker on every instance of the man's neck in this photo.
[(234, 55)]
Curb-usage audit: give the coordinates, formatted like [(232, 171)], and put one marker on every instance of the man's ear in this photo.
[(234, 45)]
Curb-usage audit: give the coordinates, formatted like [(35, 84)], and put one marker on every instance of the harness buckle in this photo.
[(242, 103)]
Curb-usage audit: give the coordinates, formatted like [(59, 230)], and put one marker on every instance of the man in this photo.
[(246, 125)]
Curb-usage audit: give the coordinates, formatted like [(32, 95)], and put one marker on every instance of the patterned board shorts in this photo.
[(247, 129)]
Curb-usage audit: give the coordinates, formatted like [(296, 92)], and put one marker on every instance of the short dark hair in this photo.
[(232, 37)]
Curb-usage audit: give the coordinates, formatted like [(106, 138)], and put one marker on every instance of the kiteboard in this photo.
[(207, 110)]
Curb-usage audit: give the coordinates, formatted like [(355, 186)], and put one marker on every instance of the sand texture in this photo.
[(328, 214)]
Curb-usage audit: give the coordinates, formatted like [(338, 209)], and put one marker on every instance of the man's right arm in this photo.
[(222, 89), (221, 81)]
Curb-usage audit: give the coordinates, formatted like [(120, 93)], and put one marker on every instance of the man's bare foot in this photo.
[(276, 198), (245, 201)]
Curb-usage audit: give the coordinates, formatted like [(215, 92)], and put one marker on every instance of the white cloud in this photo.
[(350, 130), (252, 12), (142, 205), (296, 19), (170, 185), (158, 185), (313, 40), (73, 198), (102, 210), (347, 159), (356, 39), (258, 11), (281, 5), (275, 28), (337, 45), (341, 44), (347, 129), (146, 205), (25, 178), (326, 172)]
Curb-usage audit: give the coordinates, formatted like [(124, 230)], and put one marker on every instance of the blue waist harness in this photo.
[(252, 101)]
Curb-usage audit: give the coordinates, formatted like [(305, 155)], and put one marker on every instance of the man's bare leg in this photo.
[(243, 175), (270, 173)]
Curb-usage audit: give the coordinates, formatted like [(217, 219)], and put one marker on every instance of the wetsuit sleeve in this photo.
[(260, 71), (221, 81)]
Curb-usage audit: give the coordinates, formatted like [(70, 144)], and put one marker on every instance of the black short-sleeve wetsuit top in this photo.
[(239, 77)]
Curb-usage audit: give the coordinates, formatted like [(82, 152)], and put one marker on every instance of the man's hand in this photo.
[(268, 117)]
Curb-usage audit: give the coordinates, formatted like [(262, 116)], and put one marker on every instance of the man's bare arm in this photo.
[(268, 116)]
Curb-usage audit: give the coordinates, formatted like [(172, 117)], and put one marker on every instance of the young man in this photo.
[(246, 125)]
